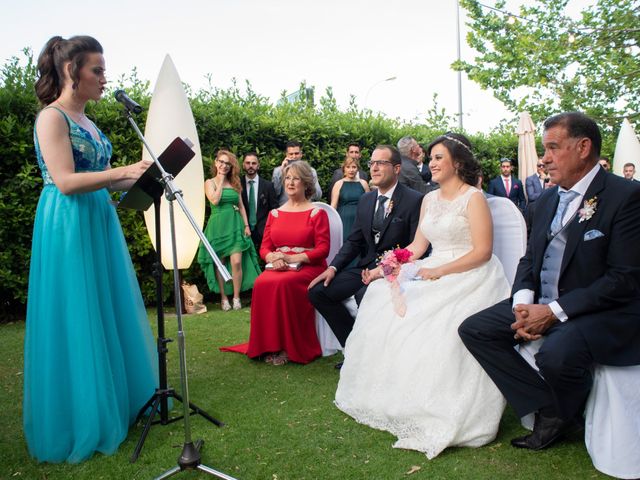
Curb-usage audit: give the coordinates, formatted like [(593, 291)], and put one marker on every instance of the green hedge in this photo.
[(226, 118)]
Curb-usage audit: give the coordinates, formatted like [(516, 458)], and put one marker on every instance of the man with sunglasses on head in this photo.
[(387, 218)]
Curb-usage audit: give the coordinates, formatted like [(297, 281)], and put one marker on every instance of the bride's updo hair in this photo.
[(54, 55), (459, 146)]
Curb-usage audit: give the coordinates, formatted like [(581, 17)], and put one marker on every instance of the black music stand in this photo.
[(148, 191)]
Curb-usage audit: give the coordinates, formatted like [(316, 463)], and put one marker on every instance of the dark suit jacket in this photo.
[(534, 189), (410, 176), (425, 172), (399, 228), (599, 285), (516, 192), (339, 175), (267, 201)]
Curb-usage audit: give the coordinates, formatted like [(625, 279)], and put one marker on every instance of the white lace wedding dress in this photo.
[(411, 375)]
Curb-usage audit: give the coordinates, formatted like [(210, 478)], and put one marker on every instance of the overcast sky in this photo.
[(351, 45)]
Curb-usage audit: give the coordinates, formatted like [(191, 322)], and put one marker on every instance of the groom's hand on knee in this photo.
[(325, 276)]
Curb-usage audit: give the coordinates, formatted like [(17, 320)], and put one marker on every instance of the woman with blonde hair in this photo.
[(228, 232), (347, 192), (295, 246)]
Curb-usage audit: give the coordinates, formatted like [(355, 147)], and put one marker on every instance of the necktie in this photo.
[(565, 200), (252, 205), (378, 217), (506, 185)]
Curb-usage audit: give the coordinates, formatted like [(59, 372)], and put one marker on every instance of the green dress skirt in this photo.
[(225, 232)]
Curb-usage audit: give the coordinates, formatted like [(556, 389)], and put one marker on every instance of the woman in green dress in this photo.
[(228, 232), (346, 193)]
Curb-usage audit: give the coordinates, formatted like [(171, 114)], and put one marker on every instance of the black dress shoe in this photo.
[(546, 430), (338, 366)]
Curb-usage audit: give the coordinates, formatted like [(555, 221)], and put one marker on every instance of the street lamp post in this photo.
[(366, 97)]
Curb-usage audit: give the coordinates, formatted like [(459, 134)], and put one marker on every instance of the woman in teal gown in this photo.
[(228, 233), (89, 357), (346, 194)]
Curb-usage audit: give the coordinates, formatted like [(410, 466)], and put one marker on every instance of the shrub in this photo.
[(226, 118)]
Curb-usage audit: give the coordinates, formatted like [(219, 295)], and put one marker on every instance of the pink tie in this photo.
[(506, 185)]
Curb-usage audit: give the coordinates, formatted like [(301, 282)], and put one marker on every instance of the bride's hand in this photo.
[(369, 276), (429, 273)]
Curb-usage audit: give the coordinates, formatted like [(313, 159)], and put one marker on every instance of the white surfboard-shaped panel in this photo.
[(170, 116), (627, 149)]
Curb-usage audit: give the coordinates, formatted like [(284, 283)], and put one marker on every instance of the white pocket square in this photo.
[(591, 234)]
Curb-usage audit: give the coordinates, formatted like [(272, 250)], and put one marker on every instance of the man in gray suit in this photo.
[(535, 183), (293, 153), (409, 174)]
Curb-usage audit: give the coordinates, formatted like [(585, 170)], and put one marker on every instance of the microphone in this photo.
[(130, 105)]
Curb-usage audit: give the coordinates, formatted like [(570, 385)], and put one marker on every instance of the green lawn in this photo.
[(280, 424)]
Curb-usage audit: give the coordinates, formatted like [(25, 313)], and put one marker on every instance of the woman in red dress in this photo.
[(282, 318)]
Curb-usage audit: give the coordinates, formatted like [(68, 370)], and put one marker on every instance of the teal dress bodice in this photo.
[(89, 154)]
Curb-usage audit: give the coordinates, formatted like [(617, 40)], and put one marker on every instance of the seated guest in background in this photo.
[(535, 183), (258, 197), (506, 185), (353, 151), (293, 153), (228, 233), (282, 319), (629, 171), (578, 287), (386, 217), (410, 151), (346, 194), (605, 163)]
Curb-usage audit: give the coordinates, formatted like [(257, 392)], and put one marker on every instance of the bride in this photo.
[(411, 375)]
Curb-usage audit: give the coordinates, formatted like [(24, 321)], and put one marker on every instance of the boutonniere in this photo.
[(588, 209), (389, 208)]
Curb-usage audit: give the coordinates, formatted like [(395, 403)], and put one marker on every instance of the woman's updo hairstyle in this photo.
[(467, 167), (54, 55)]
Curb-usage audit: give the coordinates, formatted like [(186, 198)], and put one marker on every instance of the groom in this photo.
[(387, 217), (578, 287)]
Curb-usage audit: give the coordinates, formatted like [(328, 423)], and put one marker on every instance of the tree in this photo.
[(544, 62)]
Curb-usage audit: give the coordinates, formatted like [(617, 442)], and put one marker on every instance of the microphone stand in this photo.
[(190, 457)]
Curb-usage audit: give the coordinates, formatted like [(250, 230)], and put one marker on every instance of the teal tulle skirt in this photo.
[(90, 361)]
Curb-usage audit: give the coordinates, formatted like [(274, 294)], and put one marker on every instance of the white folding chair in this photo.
[(328, 341), (509, 234)]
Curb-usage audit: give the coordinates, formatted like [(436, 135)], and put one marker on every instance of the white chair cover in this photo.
[(612, 416), (328, 341), (612, 421), (509, 234)]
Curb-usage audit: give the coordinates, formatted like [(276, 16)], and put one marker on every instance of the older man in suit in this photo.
[(506, 185), (578, 287), (386, 217), (258, 197), (410, 176)]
